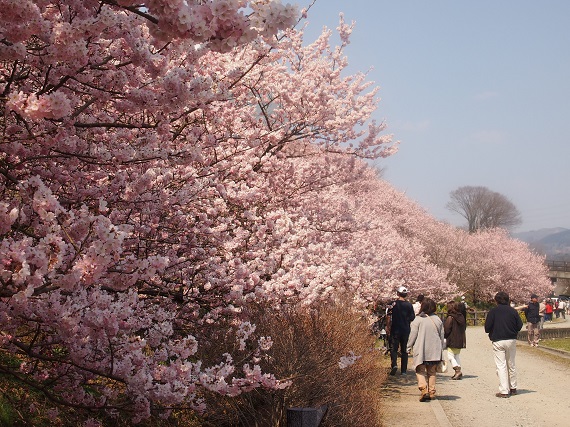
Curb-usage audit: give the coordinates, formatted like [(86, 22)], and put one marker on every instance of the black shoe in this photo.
[(502, 395), (513, 391), (393, 370)]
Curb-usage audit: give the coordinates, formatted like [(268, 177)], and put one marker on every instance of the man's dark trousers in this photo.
[(400, 342)]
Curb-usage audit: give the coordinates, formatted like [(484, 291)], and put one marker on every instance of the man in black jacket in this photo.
[(532, 313), (402, 316), (503, 324)]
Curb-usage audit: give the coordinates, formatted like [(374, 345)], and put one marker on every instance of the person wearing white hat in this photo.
[(402, 316)]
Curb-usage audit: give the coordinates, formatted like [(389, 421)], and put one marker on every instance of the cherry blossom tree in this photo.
[(497, 262), (478, 264), (482, 263), (142, 147), (349, 241)]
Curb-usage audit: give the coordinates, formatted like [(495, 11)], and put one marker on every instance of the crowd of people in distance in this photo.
[(537, 313)]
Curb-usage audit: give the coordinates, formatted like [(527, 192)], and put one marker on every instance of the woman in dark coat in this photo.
[(454, 330)]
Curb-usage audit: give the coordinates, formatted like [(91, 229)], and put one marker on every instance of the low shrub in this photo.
[(308, 345)]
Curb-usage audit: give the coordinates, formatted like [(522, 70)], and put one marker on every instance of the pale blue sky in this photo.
[(478, 93)]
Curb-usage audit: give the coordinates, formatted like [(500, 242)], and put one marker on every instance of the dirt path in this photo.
[(542, 400)]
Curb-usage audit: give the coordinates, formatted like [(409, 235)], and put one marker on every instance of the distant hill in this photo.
[(553, 242)]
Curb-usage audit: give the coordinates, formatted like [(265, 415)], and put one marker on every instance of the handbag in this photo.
[(442, 365)]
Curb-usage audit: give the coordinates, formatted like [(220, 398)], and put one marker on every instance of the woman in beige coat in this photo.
[(426, 342)]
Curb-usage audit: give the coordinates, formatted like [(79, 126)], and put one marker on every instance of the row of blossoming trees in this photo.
[(165, 162)]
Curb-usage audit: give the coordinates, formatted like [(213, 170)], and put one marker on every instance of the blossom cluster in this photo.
[(49, 106), (346, 361), (224, 24)]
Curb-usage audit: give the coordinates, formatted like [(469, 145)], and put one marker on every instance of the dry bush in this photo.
[(307, 347)]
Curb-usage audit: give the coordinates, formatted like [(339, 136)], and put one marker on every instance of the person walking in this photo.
[(417, 305), (541, 311), (402, 315), (532, 313), (426, 344), (562, 308), (548, 310), (454, 333), (503, 324)]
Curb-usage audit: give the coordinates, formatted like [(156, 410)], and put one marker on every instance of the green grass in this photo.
[(557, 343)]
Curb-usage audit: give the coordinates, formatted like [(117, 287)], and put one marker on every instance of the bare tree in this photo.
[(483, 208)]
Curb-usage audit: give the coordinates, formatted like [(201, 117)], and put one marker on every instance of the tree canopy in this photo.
[(483, 208)]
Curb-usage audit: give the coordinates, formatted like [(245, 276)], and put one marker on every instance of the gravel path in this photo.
[(542, 400)]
